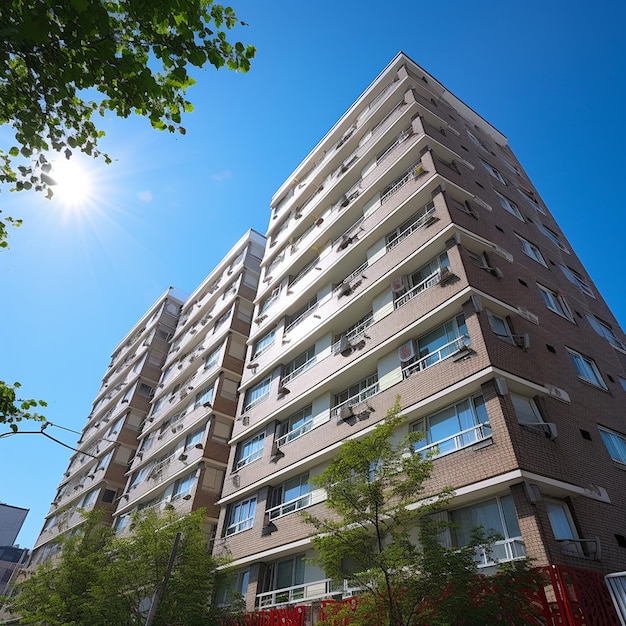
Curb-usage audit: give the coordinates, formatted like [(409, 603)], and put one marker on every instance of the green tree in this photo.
[(103, 580), (14, 409), (383, 538), (63, 63)]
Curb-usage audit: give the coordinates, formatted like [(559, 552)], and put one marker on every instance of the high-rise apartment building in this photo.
[(409, 255), (96, 473), (183, 445)]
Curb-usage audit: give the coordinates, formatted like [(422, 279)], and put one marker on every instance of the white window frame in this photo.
[(256, 394), (526, 409), (509, 206), (552, 236), (240, 516), (212, 358), (604, 330), (587, 369), (615, 444), (574, 277), (264, 343), (531, 250), (555, 302), (205, 396), (304, 418), (500, 326), (281, 506), (493, 171), (256, 444)]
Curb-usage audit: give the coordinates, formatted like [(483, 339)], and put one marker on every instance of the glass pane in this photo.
[(559, 520), (284, 573), (485, 515), (510, 517)]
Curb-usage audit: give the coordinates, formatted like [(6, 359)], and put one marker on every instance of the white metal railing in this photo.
[(289, 507), (160, 466), (295, 433), (397, 141), (239, 526), (300, 318), (500, 551), (307, 591), (256, 401), (447, 350), (348, 231), (253, 456), (352, 276), (413, 172), (429, 281), (353, 335), (459, 440), (400, 105), (303, 272), (363, 395), (418, 223), (299, 370)]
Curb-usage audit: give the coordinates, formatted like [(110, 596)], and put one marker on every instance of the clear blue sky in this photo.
[(549, 75)]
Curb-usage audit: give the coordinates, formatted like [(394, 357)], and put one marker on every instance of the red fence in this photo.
[(571, 597)]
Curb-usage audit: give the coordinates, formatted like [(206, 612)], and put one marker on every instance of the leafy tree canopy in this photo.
[(384, 538), (103, 580), (14, 409), (63, 62)]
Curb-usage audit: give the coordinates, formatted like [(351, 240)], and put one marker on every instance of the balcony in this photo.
[(451, 348), (301, 502), (368, 392), (298, 593), (500, 552), (455, 442), (429, 281)]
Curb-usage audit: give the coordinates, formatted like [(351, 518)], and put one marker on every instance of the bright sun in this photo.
[(74, 189)]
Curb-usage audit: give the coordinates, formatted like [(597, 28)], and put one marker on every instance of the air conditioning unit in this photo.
[(345, 412), (182, 457), (531, 317), (558, 393), (245, 420)]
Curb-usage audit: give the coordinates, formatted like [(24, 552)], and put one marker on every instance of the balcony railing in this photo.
[(368, 392), (500, 551), (418, 223), (446, 351), (300, 318), (462, 439), (299, 370), (298, 593), (413, 172), (429, 281), (289, 507)]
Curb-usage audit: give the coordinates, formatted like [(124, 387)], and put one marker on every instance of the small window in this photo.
[(213, 358), (577, 279), (555, 302), (509, 206), (615, 444), (249, 450), (561, 520), (603, 329), (257, 394), (531, 250), (240, 516), (552, 236), (493, 171), (264, 343), (526, 410), (500, 327), (587, 369)]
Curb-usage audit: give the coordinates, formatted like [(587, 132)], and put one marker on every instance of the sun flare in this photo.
[(75, 184)]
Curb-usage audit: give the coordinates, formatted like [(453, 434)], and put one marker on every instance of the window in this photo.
[(212, 358), (603, 329), (453, 428), (529, 195), (531, 250), (356, 393), (296, 426), (493, 171), (269, 300), (561, 520), (493, 517), (292, 495), (89, 498), (577, 279), (249, 450), (615, 444), (552, 236), (587, 369), (236, 588), (434, 347), (415, 283), (282, 575), (526, 410), (479, 142), (241, 516), (555, 302), (510, 206), (622, 382), (204, 397), (183, 486), (257, 394), (500, 326), (193, 439), (264, 343), (299, 365)]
